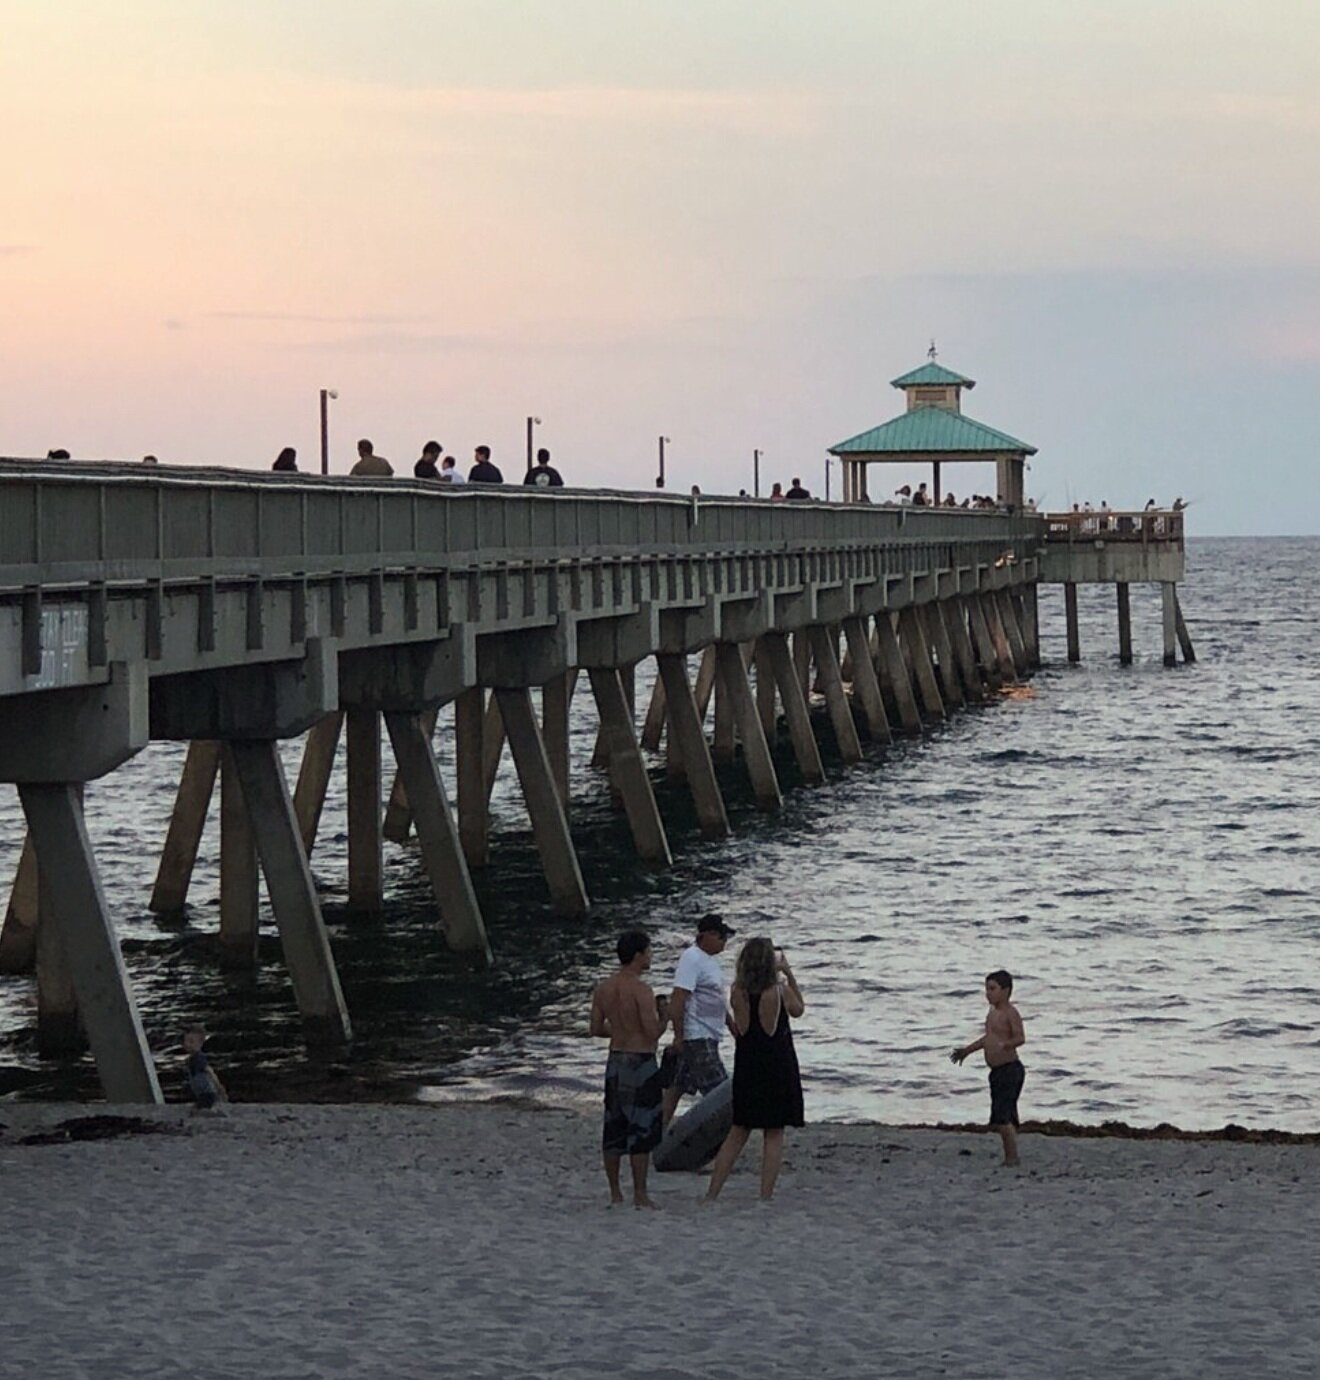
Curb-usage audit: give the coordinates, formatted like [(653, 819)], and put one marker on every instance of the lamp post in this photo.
[(827, 478), (531, 422), (660, 482), (756, 474), (326, 395)]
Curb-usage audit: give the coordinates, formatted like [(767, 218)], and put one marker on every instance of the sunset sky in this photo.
[(730, 223)]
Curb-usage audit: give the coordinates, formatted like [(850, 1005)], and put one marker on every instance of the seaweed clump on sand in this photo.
[(81, 1128), (1121, 1130)]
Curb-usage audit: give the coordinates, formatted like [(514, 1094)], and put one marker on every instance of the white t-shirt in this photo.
[(703, 1013)]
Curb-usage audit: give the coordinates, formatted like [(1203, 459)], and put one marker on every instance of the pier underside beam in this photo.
[(318, 761), (896, 673), (830, 679), (18, 937), (1016, 645), (559, 861), (686, 734), (914, 637), (184, 836), (238, 871), (866, 686), (442, 854), (737, 691), (366, 858), (1070, 616), (1124, 624), (627, 767), (805, 748), (473, 797), (73, 901), (303, 937)]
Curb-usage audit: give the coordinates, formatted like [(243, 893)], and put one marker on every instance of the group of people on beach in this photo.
[(642, 1093)]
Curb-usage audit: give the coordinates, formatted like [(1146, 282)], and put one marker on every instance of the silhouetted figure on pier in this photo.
[(427, 467), (796, 493), (776, 492), (286, 462), (543, 474), (60, 454), (921, 499), (450, 473), (483, 471), (369, 464)]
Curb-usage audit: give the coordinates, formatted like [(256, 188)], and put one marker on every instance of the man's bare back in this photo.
[(1003, 1034), (623, 1007)]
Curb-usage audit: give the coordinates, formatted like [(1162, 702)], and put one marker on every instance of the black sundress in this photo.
[(767, 1086)]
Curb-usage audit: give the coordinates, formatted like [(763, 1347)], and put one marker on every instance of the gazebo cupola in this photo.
[(933, 431)]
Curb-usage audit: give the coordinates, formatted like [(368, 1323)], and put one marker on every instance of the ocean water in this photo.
[(1140, 847)]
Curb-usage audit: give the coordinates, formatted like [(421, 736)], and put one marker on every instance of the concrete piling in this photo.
[(913, 639), (737, 692), (397, 825), (473, 797), (1016, 645), (830, 678), (896, 674), (318, 762), (366, 857), (866, 687), (184, 836), (1169, 607), (1180, 627), (984, 643), (1004, 658), (779, 658), (1124, 624), (627, 767), (939, 641), (1070, 614), (954, 613), (686, 733), (18, 937), (238, 871)]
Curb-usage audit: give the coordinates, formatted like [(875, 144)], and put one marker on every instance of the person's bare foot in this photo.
[(646, 1202), (616, 1200), (1011, 1164)]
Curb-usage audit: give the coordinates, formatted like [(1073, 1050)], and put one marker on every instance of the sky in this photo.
[(726, 223)]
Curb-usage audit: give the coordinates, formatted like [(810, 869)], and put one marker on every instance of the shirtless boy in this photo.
[(1003, 1038), (624, 1010)]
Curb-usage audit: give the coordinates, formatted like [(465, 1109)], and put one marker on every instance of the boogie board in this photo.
[(693, 1138)]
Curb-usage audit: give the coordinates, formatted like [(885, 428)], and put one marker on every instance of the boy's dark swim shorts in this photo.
[(1005, 1085)]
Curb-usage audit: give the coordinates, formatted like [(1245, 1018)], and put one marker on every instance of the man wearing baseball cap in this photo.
[(700, 1012)]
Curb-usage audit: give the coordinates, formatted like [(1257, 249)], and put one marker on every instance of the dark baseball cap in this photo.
[(714, 924)]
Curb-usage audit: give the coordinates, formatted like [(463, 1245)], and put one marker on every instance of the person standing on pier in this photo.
[(369, 464), (543, 474), (625, 1011), (286, 462), (450, 473), (700, 1014), (796, 492), (427, 466), (483, 471), (1004, 1036)]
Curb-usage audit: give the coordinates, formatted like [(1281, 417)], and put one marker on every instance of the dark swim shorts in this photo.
[(632, 1104), (698, 1067), (1005, 1085)]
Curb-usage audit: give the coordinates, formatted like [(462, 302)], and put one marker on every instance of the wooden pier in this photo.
[(234, 610)]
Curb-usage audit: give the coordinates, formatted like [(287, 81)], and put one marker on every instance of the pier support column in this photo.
[(1003, 651), (686, 733), (1124, 624), (1016, 646), (985, 644), (1170, 607), (964, 654), (318, 761), (866, 687), (492, 744), (802, 661), (724, 745), (473, 799), (600, 755), (559, 861), (805, 749), (1070, 614), (766, 703), (937, 635), (909, 626), (1184, 637), (737, 693), (184, 837), (366, 858), (896, 672), (830, 680), (627, 767), (1025, 601), (18, 937), (238, 871), (59, 1029), (705, 687), (398, 813), (74, 903), (442, 854), (654, 728), (292, 894), (556, 700)]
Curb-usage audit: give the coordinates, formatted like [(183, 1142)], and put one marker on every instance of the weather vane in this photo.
[(930, 354)]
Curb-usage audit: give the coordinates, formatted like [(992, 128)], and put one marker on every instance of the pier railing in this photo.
[(65, 523), (1162, 525)]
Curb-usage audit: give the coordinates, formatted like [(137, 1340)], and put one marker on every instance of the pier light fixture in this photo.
[(326, 395), (531, 422), (660, 478)]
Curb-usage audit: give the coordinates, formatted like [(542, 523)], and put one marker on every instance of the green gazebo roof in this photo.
[(932, 375), (931, 431)]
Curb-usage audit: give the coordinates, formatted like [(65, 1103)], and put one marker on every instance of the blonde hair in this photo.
[(756, 970)]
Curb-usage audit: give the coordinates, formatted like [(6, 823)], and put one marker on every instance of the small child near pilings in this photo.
[(204, 1084), (1003, 1037)]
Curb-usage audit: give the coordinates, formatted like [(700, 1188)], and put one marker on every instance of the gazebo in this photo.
[(933, 431)]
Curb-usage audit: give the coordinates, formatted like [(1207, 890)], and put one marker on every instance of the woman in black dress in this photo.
[(767, 1088)]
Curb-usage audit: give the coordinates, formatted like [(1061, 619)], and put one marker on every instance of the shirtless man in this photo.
[(1003, 1037), (624, 1011)]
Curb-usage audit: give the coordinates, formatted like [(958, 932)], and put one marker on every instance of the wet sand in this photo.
[(473, 1240)]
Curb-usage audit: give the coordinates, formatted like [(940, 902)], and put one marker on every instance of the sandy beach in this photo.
[(473, 1240)]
